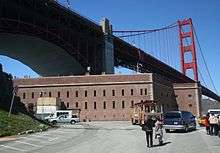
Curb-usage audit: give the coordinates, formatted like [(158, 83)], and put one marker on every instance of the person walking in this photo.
[(218, 126), (206, 123), (148, 128), (213, 120), (216, 121), (159, 131)]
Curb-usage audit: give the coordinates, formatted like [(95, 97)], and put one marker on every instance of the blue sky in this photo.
[(150, 14)]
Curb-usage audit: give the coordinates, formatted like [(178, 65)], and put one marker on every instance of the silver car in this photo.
[(64, 119)]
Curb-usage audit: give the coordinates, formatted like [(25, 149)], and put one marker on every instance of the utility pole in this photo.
[(15, 90)]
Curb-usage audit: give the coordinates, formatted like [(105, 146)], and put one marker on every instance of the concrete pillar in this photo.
[(198, 99), (108, 48), (189, 94)]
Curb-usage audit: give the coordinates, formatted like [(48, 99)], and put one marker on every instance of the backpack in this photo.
[(144, 127)]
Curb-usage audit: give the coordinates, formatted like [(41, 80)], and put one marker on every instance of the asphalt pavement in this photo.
[(108, 137)]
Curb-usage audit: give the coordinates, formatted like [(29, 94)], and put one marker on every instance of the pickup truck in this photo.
[(64, 119)]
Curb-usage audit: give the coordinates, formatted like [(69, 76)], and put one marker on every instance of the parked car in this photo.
[(179, 120), (58, 113), (64, 119)]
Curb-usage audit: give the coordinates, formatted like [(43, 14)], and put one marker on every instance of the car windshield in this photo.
[(74, 116), (172, 115)]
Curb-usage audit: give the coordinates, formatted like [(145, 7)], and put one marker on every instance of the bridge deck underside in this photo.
[(49, 21), (129, 56), (79, 37)]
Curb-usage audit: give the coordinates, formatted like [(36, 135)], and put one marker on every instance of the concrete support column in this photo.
[(198, 99), (1, 69), (108, 48)]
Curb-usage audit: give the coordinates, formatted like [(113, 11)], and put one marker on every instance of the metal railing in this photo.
[(75, 12)]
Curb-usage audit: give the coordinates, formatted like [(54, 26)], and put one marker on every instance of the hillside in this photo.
[(207, 104), (18, 123)]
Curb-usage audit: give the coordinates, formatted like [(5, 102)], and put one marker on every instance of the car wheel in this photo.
[(72, 122), (194, 127), (54, 122), (167, 130)]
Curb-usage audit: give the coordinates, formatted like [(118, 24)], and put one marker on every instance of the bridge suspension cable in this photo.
[(201, 76), (204, 60), (162, 43), (142, 32)]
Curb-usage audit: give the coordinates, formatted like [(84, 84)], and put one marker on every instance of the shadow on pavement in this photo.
[(182, 131), (165, 143)]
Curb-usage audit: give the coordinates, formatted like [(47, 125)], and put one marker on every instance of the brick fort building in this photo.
[(110, 97)]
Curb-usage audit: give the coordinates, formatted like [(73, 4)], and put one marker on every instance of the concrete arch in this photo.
[(43, 57)]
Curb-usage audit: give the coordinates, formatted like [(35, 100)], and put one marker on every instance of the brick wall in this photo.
[(164, 93), (123, 90), (188, 97)]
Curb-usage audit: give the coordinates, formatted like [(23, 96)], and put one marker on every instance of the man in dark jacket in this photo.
[(148, 128)]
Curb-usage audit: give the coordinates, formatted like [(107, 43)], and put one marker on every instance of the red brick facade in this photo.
[(188, 97), (101, 97)]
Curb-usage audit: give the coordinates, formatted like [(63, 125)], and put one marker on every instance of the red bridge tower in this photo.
[(186, 24)]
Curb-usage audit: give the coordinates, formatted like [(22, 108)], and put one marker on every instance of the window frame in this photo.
[(24, 95), (123, 104), (113, 105), (67, 94), (86, 105), (104, 104)]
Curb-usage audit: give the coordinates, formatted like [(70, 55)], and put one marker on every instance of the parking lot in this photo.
[(38, 141), (108, 137)]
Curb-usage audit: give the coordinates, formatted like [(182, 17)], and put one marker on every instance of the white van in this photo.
[(67, 113)]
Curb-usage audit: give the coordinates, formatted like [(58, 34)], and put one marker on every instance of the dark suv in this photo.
[(179, 120)]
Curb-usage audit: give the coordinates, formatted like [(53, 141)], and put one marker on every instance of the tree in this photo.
[(6, 88)]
